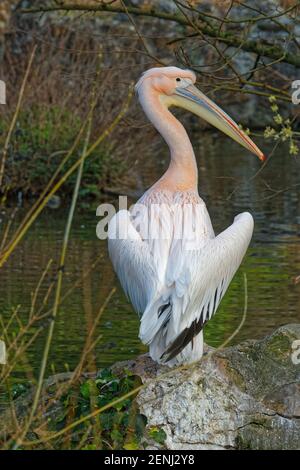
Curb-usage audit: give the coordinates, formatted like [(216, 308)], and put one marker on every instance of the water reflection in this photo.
[(226, 183)]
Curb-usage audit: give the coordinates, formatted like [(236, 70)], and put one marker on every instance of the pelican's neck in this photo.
[(182, 173)]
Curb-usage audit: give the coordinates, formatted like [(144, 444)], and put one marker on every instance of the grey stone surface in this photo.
[(242, 397)]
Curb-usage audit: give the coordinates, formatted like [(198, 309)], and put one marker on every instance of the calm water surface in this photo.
[(228, 184)]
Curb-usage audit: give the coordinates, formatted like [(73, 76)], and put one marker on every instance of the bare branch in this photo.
[(271, 51)]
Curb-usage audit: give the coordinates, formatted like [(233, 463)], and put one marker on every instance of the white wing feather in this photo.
[(196, 291), (176, 286), (132, 261)]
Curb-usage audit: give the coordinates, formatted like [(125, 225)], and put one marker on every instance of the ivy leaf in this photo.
[(85, 390), (157, 434), (90, 447), (132, 444), (116, 436)]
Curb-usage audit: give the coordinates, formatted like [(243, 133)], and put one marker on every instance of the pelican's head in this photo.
[(175, 87)]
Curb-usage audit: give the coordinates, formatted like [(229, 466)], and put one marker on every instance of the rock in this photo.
[(242, 397)]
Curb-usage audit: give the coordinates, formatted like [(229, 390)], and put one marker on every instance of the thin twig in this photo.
[(58, 289)]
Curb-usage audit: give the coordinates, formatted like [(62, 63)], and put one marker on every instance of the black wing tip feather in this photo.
[(163, 308), (185, 337), (188, 334)]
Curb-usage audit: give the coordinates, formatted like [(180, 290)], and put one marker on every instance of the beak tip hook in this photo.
[(263, 157)]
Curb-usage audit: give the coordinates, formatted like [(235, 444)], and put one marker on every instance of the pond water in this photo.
[(228, 184)]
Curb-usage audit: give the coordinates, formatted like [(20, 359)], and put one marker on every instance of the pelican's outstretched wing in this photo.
[(132, 261), (196, 281)]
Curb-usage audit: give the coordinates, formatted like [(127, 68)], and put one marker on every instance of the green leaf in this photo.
[(157, 434), (116, 435), (132, 444), (85, 390), (89, 447), (17, 390)]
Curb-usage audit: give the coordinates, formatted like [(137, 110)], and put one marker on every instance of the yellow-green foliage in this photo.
[(284, 131)]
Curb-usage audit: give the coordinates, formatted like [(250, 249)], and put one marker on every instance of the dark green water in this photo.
[(272, 262)]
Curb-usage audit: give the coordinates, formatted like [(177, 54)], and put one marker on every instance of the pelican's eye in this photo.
[(178, 79)]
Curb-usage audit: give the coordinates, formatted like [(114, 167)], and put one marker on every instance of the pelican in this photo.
[(164, 251)]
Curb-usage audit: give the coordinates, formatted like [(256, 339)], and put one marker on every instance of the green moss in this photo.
[(253, 435), (235, 374), (278, 347)]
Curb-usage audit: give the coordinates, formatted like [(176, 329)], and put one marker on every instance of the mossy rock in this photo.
[(241, 397)]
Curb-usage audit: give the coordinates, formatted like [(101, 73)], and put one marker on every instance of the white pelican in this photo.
[(169, 261)]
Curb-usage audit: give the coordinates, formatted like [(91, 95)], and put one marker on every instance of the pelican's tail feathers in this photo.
[(192, 352), (163, 327), (155, 318)]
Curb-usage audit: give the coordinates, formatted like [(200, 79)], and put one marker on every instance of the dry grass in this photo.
[(55, 103), (20, 333)]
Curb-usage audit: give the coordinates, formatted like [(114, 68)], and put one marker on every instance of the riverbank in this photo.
[(98, 58)]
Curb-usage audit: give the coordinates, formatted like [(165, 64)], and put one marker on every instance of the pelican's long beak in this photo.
[(194, 100)]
